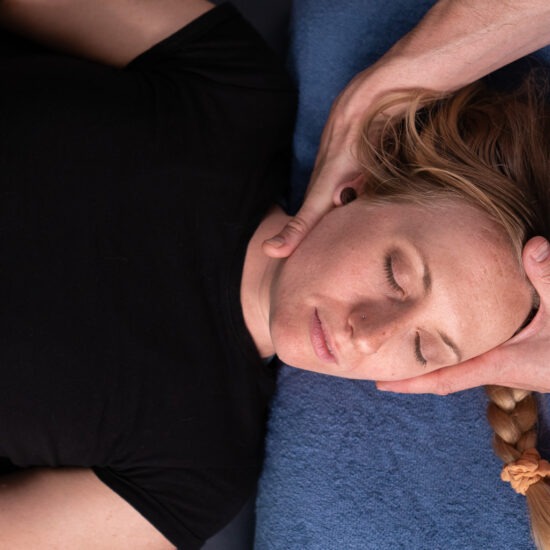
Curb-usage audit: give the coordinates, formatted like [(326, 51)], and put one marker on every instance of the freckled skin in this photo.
[(479, 295)]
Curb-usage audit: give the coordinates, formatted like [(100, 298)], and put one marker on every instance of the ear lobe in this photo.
[(348, 191)]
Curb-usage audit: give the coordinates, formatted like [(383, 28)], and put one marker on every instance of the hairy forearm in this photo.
[(459, 41), (110, 31)]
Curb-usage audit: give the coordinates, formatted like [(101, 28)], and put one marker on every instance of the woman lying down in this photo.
[(138, 310)]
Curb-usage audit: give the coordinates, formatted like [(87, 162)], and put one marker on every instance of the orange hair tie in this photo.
[(527, 470)]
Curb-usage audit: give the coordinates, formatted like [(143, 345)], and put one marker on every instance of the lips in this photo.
[(319, 340)]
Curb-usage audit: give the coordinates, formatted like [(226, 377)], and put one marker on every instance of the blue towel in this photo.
[(348, 467)]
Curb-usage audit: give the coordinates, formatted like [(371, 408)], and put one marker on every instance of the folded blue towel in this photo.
[(348, 467)]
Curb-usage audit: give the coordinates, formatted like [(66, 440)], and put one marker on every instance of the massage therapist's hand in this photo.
[(454, 44), (522, 362), (336, 167)]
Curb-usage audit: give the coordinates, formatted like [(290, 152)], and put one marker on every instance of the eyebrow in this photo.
[(451, 344), (427, 284)]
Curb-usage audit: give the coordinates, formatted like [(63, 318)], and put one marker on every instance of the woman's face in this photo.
[(393, 291)]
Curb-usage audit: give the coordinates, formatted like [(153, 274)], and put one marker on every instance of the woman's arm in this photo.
[(52, 509), (110, 31), (457, 42)]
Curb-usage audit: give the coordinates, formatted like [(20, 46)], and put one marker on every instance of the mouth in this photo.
[(319, 341)]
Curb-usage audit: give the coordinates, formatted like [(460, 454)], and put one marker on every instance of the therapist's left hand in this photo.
[(521, 362)]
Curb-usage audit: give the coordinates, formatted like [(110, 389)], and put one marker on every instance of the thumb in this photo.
[(286, 241), (536, 261)]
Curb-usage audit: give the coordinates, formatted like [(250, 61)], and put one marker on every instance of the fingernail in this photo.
[(275, 242), (542, 252), (380, 386), (348, 195)]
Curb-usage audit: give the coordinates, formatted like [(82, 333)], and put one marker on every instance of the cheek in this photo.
[(493, 317), (288, 330), (505, 321), (340, 274)]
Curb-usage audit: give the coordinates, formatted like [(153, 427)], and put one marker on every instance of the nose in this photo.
[(371, 326)]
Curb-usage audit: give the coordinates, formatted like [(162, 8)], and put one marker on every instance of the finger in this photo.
[(478, 371), (536, 260), (323, 193), (285, 242), (335, 171)]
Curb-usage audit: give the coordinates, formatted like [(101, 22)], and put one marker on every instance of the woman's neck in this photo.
[(258, 273)]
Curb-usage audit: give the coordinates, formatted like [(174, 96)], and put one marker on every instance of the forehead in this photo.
[(440, 225)]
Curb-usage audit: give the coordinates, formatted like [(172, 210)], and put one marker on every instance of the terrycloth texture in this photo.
[(348, 467)]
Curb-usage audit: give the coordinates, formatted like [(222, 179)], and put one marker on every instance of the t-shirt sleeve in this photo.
[(219, 46), (187, 505)]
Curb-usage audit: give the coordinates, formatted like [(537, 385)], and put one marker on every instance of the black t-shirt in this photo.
[(127, 198)]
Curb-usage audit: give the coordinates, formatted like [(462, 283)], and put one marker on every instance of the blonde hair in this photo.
[(491, 150)]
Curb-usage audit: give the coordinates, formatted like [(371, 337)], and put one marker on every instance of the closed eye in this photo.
[(388, 268)]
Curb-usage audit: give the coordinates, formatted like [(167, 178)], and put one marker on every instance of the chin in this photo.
[(299, 361), (290, 358)]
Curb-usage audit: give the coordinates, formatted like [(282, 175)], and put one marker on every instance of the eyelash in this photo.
[(390, 276), (418, 351)]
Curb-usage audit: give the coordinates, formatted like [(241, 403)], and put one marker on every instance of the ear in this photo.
[(348, 191)]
